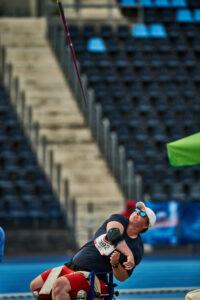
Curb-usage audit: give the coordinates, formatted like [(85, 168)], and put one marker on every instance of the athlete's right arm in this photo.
[(122, 246)]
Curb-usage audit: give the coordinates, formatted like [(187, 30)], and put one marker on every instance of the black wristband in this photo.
[(115, 266)]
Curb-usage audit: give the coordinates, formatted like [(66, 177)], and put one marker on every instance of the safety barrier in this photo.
[(121, 292)]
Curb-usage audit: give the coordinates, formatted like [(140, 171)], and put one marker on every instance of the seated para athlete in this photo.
[(116, 246)]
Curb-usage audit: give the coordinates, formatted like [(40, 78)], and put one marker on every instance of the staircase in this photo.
[(61, 122)]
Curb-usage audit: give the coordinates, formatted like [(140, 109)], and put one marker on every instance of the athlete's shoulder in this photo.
[(118, 218)]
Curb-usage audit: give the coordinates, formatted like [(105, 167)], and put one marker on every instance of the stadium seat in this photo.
[(167, 16), (136, 92), (74, 31), (94, 76), (181, 46), (112, 45), (146, 75), (80, 45), (184, 16), (173, 31), (196, 75), (128, 3), (180, 75), (138, 60), (128, 76), (162, 3), (120, 61), (140, 31), (106, 31), (130, 46), (96, 45), (88, 31), (110, 76), (189, 60), (178, 3), (86, 61), (163, 75), (156, 60), (197, 15), (118, 92), (163, 46), (157, 31), (147, 45), (123, 31), (146, 3), (172, 60), (102, 60), (150, 15)]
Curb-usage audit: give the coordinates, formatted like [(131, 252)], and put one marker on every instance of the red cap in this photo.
[(131, 204)]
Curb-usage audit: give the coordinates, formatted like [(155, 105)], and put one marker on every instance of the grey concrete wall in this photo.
[(19, 8)]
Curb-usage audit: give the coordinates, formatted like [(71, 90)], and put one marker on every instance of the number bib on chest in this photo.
[(103, 246)]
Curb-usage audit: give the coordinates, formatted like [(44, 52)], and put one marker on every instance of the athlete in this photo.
[(116, 246)]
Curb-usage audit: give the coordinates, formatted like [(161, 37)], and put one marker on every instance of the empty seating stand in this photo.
[(146, 77), (26, 196)]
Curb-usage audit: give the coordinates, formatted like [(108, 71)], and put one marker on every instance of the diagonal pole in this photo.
[(71, 48)]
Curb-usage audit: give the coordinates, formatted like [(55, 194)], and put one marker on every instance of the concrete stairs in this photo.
[(61, 122)]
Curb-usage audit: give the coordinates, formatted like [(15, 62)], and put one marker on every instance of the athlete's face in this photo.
[(139, 217)]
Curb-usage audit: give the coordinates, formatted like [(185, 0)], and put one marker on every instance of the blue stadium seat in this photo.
[(147, 3), (184, 16), (162, 3), (178, 3), (157, 31), (96, 45), (197, 15), (140, 31), (128, 3)]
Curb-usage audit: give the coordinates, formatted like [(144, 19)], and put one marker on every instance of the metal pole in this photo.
[(90, 209), (51, 160), (58, 173)]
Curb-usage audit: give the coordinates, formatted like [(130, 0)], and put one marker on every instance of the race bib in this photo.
[(103, 246)]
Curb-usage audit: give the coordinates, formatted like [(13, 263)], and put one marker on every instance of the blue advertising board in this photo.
[(190, 222), (165, 230)]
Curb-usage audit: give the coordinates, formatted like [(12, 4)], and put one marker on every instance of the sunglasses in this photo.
[(142, 213)]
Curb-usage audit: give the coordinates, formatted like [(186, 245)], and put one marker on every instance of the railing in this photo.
[(38, 143), (122, 169)]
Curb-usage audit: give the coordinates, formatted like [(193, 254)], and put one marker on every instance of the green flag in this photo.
[(185, 151)]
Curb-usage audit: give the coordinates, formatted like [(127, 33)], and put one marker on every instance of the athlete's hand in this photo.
[(114, 258), (130, 263)]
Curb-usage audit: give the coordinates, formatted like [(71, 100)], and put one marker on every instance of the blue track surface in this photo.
[(153, 272)]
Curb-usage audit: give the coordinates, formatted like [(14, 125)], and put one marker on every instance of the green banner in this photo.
[(185, 152)]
